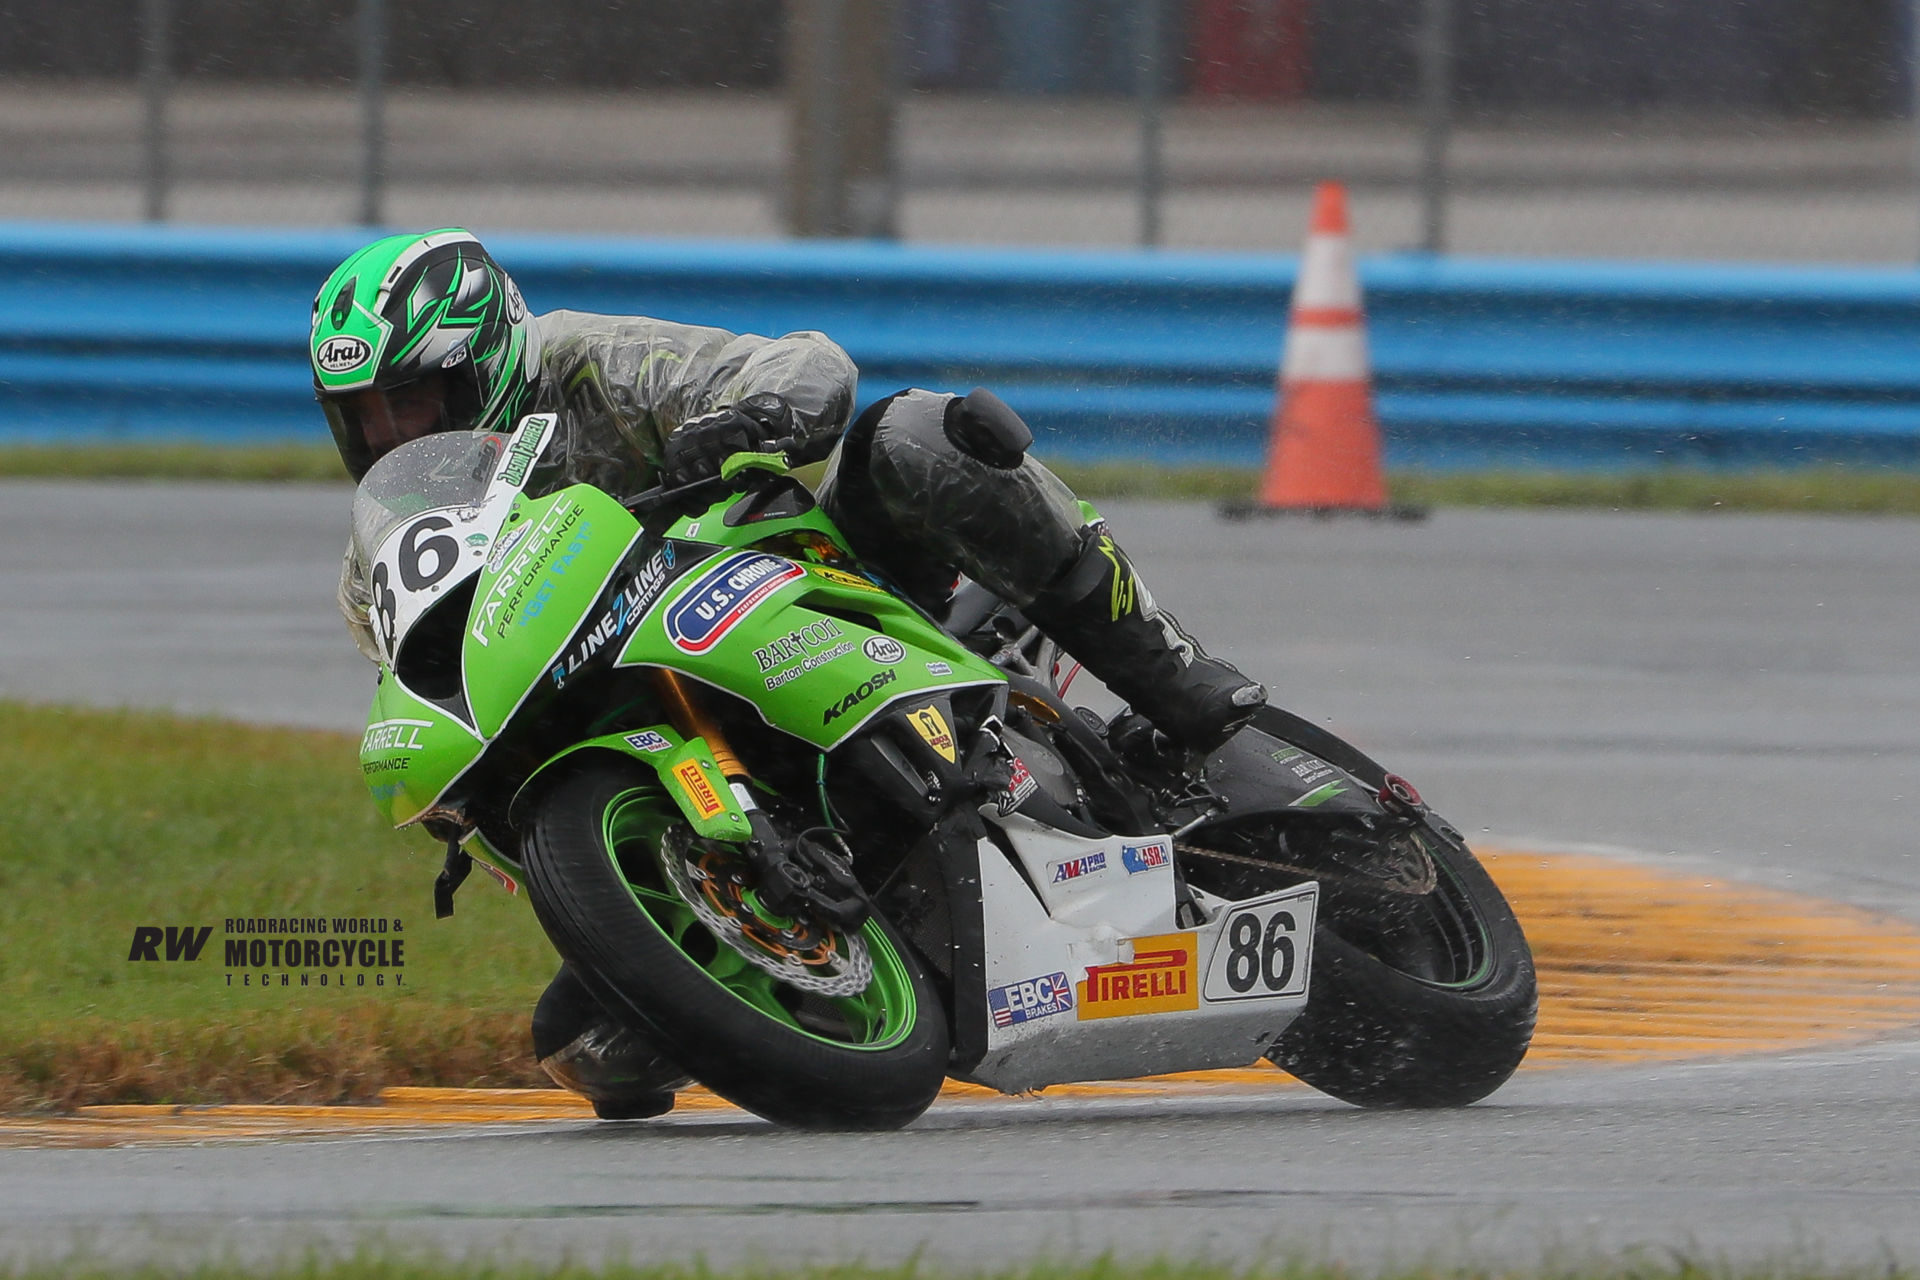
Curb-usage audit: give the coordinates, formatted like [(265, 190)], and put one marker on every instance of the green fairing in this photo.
[(527, 608), (411, 751), (818, 654)]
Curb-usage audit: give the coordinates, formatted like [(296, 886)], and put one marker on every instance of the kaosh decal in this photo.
[(884, 650), (932, 726), (693, 780), (1159, 979), (1144, 857), (720, 598), (1019, 1002), (1019, 787), (342, 353), (630, 604), (1087, 864), (866, 689), (647, 740)]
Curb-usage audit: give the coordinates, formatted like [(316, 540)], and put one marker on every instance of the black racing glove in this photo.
[(696, 450)]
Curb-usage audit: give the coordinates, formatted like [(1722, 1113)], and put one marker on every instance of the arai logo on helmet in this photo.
[(341, 353)]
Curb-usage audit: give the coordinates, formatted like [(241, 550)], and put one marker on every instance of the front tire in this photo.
[(873, 1060)]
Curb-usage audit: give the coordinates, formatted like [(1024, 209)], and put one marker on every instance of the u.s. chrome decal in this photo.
[(725, 594)]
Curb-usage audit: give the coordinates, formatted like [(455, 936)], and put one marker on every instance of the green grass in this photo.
[(120, 819), (1863, 491)]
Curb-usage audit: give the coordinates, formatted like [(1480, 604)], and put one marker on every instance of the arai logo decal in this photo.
[(341, 353), (725, 594), (884, 650)]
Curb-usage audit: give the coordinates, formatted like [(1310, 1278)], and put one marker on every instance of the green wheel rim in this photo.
[(878, 1018)]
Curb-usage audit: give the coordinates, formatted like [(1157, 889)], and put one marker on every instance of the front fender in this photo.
[(685, 769)]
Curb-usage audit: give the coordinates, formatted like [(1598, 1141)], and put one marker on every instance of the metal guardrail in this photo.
[(155, 333)]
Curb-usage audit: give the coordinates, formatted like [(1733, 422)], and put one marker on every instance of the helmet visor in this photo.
[(371, 423)]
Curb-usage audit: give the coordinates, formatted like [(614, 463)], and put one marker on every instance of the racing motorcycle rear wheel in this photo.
[(798, 1022), (1416, 1000)]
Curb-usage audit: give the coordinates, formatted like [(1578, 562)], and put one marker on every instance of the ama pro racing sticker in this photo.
[(715, 604), (1019, 1002)]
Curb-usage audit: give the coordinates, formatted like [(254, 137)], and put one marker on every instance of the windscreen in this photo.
[(436, 472)]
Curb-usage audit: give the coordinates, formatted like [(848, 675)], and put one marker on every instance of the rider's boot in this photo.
[(1102, 614), (623, 1075)]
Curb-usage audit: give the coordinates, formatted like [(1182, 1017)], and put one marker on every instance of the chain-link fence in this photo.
[(1742, 129)]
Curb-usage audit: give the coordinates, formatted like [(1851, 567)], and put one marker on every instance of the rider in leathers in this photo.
[(422, 333)]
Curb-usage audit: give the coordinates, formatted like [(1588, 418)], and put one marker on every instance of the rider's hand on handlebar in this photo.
[(695, 451)]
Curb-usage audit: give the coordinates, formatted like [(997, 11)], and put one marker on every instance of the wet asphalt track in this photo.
[(1733, 694)]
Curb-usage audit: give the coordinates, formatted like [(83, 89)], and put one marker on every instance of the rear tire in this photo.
[(1376, 1035), (1436, 1010), (874, 1060)]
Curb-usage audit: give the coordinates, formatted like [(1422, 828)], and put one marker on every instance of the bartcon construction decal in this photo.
[(333, 953)]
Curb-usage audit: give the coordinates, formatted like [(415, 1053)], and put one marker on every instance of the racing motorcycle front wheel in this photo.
[(798, 1021)]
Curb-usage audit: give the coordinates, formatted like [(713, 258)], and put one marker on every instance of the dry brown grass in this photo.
[(271, 1057)]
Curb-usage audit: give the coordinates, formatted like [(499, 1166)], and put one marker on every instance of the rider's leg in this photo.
[(585, 1050), (925, 484)]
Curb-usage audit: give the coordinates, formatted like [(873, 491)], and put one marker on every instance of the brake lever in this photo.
[(652, 504)]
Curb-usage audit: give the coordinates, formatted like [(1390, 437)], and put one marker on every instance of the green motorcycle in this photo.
[(827, 850)]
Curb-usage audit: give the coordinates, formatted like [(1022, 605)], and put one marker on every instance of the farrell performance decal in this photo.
[(715, 604)]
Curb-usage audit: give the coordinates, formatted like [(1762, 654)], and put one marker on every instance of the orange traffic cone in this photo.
[(1323, 453)]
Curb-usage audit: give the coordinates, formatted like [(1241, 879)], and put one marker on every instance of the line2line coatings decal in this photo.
[(726, 593), (1032, 998), (1159, 979)]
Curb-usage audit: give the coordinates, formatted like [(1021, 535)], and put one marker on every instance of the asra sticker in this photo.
[(1019, 1002), (342, 353), (867, 688), (725, 594), (1087, 864), (932, 727), (647, 740), (1144, 857), (1159, 979), (693, 780)]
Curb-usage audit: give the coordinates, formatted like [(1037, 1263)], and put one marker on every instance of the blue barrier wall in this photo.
[(151, 333)]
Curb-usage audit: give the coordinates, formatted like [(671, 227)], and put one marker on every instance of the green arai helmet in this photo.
[(420, 333)]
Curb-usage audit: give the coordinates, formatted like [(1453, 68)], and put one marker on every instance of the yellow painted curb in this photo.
[(1636, 964)]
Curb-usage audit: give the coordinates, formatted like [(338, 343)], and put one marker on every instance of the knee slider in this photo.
[(982, 425)]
